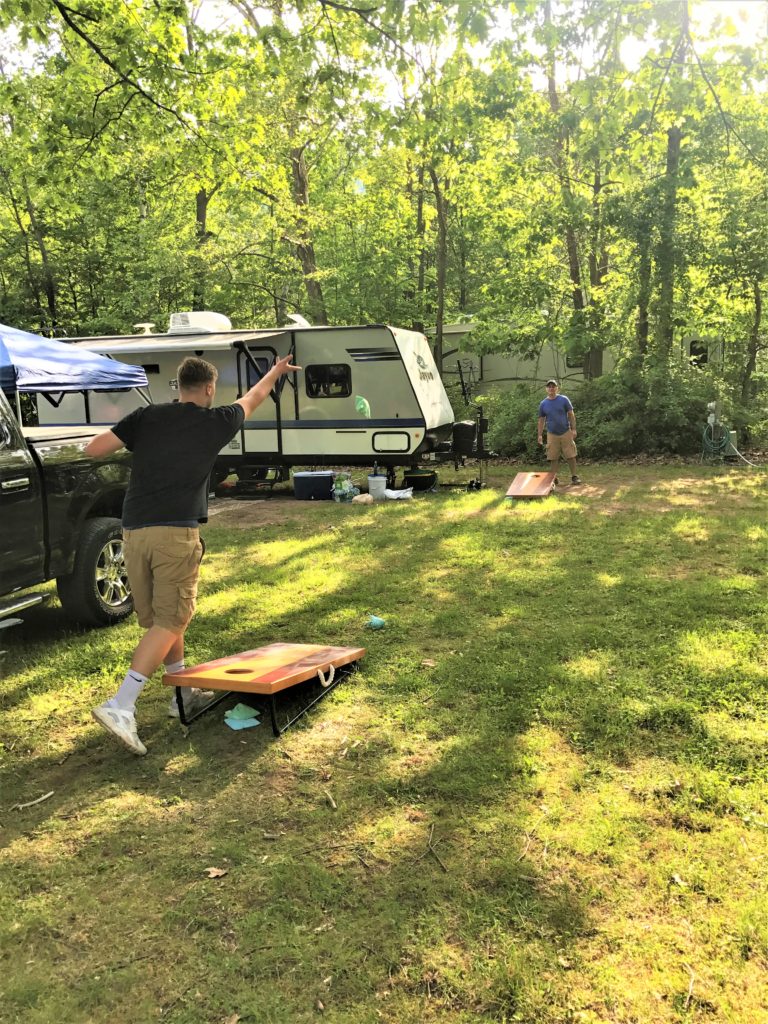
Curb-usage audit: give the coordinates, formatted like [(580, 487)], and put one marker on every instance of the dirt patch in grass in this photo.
[(245, 513)]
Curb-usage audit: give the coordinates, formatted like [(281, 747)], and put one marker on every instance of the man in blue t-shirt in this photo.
[(557, 412), (174, 447)]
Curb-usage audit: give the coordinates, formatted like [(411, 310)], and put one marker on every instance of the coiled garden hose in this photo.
[(716, 444)]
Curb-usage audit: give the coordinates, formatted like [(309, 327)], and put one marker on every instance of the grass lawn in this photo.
[(549, 776)]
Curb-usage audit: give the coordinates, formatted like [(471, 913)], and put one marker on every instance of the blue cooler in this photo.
[(313, 486)]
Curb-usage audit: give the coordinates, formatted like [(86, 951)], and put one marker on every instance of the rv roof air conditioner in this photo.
[(199, 322), (299, 320)]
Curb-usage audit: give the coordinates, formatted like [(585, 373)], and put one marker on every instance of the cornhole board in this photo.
[(531, 485), (267, 671)]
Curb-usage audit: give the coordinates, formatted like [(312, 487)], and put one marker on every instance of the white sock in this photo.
[(131, 687), (174, 666)]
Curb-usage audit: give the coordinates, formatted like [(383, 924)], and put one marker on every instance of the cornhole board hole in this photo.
[(531, 485), (267, 672)]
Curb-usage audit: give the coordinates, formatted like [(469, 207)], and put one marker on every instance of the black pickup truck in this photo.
[(60, 519)]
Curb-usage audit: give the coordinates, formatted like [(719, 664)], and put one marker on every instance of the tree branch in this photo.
[(362, 13), (728, 125), (670, 62), (65, 13)]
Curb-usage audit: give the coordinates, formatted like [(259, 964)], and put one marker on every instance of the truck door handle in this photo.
[(20, 484)]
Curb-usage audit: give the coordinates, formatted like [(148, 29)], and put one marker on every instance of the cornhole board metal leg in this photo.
[(342, 673), (271, 701), (184, 718)]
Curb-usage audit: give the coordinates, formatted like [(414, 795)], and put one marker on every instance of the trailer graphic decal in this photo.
[(331, 424), (374, 355), (424, 373)]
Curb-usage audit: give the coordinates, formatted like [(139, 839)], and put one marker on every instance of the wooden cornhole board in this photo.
[(531, 485), (267, 671)]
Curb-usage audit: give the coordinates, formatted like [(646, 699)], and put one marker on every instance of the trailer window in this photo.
[(262, 365), (330, 380)]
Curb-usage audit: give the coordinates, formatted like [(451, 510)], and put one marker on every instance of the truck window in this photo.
[(328, 380)]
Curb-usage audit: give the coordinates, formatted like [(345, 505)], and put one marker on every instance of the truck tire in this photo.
[(97, 592)]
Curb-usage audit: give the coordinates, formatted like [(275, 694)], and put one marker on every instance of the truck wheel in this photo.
[(97, 592)]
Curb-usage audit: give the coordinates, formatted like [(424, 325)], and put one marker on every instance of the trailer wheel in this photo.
[(97, 591)]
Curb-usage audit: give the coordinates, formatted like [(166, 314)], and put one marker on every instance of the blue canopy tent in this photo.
[(31, 363)]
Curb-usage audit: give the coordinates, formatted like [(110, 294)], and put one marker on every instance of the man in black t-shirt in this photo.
[(174, 447)]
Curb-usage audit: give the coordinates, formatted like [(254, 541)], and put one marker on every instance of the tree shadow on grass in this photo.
[(365, 871)]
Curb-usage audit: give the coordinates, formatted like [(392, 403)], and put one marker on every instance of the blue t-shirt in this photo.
[(555, 410)]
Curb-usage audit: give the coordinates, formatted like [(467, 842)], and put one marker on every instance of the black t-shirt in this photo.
[(174, 448)]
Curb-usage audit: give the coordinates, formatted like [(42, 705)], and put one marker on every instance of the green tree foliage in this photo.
[(413, 162)]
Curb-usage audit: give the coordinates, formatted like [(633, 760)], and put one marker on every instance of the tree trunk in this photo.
[(462, 256), (201, 237), (418, 325), (747, 381), (305, 249), (560, 161), (666, 252), (31, 276), (598, 268), (49, 283), (644, 279), (666, 257), (442, 261)]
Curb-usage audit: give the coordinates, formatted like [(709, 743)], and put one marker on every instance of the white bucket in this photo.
[(376, 487)]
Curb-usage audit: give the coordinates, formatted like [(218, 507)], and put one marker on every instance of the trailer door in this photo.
[(261, 431)]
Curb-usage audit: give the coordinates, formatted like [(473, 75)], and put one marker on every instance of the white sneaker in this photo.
[(194, 701), (122, 725)]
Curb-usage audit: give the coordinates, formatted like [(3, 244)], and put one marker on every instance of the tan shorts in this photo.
[(163, 564), (561, 444)]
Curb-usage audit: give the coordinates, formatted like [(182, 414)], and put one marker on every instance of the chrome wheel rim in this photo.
[(111, 577)]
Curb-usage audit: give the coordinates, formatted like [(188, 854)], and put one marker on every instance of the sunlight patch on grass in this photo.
[(471, 503), (742, 730), (740, 583), (691, 528), (536, 511), (594, 665), (757, 535), (712, 653), (182, 763), (608, 580)]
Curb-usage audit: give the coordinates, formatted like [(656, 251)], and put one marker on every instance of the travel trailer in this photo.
[(366, 395)]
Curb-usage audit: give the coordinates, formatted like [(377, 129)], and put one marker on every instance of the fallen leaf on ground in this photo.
[(428, 663), (216, 873)]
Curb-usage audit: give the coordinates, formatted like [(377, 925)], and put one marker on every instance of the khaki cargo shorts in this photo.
[(163, 564), (561, 444)]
